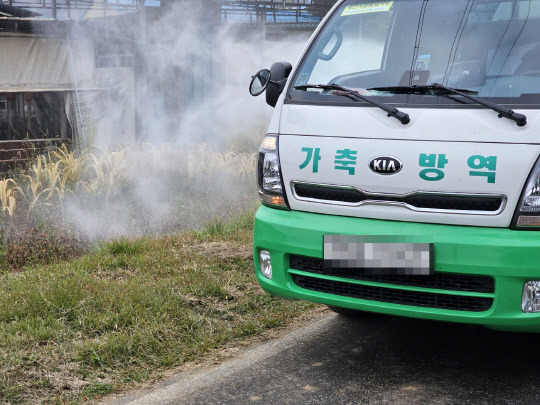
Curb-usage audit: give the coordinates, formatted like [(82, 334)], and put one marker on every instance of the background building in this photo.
[(76, 69)]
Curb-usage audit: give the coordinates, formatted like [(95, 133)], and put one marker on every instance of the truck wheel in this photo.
[(350, 313)]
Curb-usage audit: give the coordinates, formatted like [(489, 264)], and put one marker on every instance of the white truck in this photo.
[(401, 170)]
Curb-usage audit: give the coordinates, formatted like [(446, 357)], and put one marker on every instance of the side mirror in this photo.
[(259, 82), (276, 76)]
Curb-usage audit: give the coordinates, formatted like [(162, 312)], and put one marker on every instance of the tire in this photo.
[(349, 313)]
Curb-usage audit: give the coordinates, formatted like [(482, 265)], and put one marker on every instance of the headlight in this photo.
[(269, 174), (527, 214)]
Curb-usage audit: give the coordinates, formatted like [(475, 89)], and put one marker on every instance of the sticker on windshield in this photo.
[(375, 7)]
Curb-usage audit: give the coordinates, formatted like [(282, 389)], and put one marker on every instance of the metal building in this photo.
[(78, 68)]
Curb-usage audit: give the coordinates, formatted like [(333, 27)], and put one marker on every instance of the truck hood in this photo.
[(448, 166)]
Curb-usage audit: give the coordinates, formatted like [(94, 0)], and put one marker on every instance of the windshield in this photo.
[(491, 47)]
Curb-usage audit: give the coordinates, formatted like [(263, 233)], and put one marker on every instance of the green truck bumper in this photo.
[(467, 260)]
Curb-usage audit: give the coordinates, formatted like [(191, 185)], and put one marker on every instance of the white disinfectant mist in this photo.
[(177, 142)]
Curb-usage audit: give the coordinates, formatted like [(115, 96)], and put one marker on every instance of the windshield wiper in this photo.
[(520, 119), (392, 111)]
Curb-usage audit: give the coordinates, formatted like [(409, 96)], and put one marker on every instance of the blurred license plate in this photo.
[(353, 254)]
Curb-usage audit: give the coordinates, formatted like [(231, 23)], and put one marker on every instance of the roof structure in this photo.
[(76, 9), (9, 11)]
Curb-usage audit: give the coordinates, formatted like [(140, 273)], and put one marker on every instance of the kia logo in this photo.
[(385, 165)]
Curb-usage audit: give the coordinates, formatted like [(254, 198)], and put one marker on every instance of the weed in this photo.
[(7, 196), (125, 246), (27, 242), (97, 388), (215, 228)]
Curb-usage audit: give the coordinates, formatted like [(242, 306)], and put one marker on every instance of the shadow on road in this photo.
[(387, 359)]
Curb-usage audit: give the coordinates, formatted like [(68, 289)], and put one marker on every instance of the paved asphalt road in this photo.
[(374, 360)]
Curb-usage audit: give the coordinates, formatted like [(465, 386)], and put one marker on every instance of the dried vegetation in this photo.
[(60, 202)]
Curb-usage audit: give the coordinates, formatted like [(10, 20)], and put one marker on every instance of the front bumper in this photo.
[(510, 257)]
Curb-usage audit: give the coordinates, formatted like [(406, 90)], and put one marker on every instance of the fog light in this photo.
[(530, 302), (264, 262)]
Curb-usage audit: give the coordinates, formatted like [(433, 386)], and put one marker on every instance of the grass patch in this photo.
[(79, 329), (124, 246), (29, 243)]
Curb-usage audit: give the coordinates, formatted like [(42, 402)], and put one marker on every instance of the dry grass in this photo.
[(135, 190), (54, 176), (8, 194)]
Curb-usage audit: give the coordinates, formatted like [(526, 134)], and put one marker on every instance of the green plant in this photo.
[(125, 246)]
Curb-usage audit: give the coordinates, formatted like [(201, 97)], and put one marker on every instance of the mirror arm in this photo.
[(280, 85)]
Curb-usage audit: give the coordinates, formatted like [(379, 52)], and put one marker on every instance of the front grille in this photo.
[(440, 281), (450, 202), (414, 298)]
